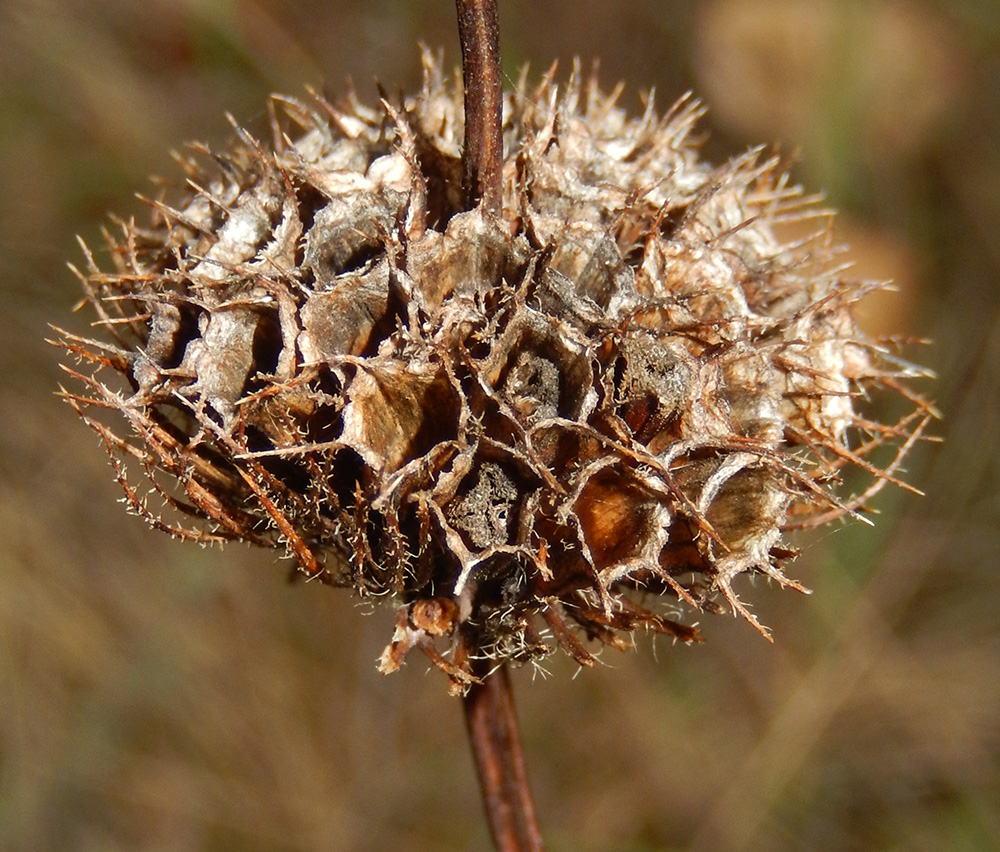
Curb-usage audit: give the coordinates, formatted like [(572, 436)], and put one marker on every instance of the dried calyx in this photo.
[(559, 424)]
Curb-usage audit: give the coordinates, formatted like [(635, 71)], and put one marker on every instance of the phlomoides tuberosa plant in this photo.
[(522, 361)]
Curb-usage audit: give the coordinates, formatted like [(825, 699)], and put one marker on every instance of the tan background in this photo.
[(158, 697)]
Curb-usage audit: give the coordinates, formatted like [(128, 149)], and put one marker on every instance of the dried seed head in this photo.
[(531, 429)]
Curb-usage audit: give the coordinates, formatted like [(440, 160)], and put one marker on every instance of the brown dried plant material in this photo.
[(559, 425)]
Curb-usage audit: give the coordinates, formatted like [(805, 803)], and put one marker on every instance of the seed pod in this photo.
[(561, 424)]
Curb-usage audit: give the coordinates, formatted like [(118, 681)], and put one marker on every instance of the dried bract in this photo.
[(557, 425)]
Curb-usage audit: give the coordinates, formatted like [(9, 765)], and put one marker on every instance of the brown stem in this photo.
[(482, 156), (496, 747)]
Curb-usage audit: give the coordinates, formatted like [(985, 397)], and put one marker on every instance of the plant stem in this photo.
[(489, 704), (496, 747), (482, 155)]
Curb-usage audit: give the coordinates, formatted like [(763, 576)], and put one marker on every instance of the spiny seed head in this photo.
[(530, 429)]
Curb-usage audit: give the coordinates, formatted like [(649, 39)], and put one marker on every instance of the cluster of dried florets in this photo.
[(531, 429)]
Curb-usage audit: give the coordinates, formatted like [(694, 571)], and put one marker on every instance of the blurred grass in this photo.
[(155, 696)]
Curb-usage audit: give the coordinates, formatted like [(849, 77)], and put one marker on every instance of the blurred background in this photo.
[(154, 696)]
